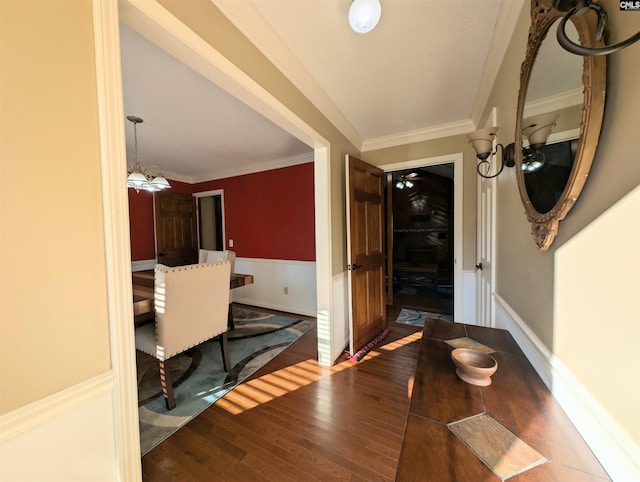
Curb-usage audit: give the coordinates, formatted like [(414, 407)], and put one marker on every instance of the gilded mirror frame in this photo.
[(544, 226)]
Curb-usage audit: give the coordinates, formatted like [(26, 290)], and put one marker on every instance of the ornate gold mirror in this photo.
[(560, 109)]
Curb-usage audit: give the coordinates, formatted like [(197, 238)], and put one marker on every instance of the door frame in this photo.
[(486, 231), (458, 199), (215, 192), (155, 23), (158, 24)]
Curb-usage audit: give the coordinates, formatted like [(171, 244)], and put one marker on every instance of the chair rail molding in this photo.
[(80, 412)]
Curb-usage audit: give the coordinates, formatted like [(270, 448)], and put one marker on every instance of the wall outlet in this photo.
[(286, 290), (231, 243)]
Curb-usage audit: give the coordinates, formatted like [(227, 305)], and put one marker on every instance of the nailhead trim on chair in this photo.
[(166, 269)]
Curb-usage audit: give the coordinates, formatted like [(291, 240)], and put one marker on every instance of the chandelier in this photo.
[(404, 181), (138, 177)]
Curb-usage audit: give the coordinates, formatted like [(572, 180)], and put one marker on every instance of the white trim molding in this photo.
[(419, 135), (123, 413), (610, 443), (240, 170), (253, 25), (505, 26), (458, 194), (72, 433), (469, 295), (341, 308)]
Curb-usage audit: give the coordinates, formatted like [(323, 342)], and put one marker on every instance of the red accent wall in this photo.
[(268, 214), (141, 225)]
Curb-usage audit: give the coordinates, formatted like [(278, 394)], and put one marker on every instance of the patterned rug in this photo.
[(199, 380), (413, 317)]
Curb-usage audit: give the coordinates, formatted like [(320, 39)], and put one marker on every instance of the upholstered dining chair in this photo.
[(191, 306), (208, 256)]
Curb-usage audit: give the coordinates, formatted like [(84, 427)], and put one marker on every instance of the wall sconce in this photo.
[(482, 142), (537, 130), (580, 7), (364, 15)]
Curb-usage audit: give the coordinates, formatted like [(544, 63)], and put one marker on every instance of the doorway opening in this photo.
[(420, 225), (210, 209)]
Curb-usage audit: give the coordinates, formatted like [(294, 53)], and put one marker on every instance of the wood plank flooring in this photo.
[(295, 421)]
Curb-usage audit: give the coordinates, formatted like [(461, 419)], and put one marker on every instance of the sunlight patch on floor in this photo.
[(268, 387), (394, 345)]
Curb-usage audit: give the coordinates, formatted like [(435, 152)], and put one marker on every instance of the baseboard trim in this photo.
[(536, 352), (40, 412), (618, 453), (273, 306)]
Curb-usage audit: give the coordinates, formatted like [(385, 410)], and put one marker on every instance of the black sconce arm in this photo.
[(507, 160)]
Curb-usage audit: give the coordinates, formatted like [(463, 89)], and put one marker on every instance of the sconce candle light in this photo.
[(482, 142), (537, 130), (139, 177)]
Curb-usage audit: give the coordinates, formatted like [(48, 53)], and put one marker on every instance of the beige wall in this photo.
[(53, 325), (580, 297)]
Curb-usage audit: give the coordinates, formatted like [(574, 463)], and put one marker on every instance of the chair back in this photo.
[(191, 304), (209, 256)]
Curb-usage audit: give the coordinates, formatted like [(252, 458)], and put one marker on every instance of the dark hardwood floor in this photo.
[(294, 420)]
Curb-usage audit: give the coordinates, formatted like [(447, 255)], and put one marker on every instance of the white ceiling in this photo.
[(422, 73)]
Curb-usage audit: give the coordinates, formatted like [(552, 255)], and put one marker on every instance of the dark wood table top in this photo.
[(143, 289), (512, 428)]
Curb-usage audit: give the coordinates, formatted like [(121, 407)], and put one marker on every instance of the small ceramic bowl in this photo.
[(473, 366)]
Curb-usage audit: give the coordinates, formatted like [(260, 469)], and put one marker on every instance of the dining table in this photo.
[(143, 285)]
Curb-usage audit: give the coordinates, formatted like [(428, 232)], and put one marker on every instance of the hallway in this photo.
[(294, 420)]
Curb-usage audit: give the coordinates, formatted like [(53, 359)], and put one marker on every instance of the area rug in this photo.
[(413, 317), (199, 379)]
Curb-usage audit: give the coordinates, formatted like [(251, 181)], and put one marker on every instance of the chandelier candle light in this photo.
[(139, 177)]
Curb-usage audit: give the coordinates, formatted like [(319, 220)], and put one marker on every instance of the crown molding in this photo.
[(505, 26), (252, 169), (153, 21), (253, 26), (554, 102), (419, 135)]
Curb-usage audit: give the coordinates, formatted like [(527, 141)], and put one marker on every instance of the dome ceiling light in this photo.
[(364, 15)]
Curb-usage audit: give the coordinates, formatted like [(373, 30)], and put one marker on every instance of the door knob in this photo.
[(354, 267), (479, 266)]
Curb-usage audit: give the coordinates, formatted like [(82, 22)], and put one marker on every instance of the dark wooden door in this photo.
[(176, 232), (365, 252)]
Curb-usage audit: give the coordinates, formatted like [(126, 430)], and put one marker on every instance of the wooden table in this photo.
[(512, 429), (143, 289)]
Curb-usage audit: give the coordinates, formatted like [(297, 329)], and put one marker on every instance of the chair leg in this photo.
[(224, 346), (230, 323), (167, 385)]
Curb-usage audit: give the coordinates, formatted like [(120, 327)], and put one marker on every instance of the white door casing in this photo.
[(485, 242)]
